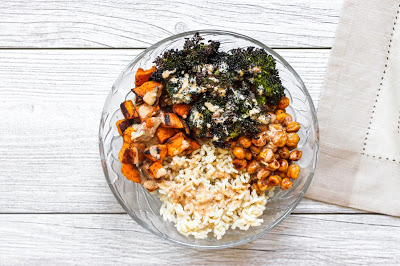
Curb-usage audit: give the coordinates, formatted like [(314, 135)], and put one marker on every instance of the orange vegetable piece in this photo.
[(156, 153), (147, 87), (122, 125), (177, 144), (143, 75), (121, 152), (131, 172), (128, 109), (127, 154), (156, 170), (194, 145), (171, 120), (145, 111), (163, 134), (139, 149), (127, 135), (182, 110)]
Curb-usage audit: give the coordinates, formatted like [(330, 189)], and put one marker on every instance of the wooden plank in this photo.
[(51, 103), (126, 24), (108, 239)]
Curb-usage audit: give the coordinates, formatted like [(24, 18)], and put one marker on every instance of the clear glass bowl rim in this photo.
[(313, 113)]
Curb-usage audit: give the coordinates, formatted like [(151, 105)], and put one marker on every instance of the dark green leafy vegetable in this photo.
[(230, 91)]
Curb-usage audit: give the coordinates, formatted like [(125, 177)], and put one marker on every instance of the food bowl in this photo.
[(144, 207)]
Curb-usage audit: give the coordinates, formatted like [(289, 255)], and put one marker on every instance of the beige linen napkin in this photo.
[(359, 111)]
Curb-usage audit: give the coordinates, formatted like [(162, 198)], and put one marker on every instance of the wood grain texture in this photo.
[(51, 103), (126, 24), (108, 239)]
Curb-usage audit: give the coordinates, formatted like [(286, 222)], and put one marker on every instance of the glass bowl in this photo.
[(144, 207)]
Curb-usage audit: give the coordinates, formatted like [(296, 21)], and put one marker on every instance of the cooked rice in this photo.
[(205, 193)]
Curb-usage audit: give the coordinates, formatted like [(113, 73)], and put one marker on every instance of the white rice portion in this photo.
[(206, 194)]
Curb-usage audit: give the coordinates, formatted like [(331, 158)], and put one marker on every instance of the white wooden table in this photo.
[(58, 60)]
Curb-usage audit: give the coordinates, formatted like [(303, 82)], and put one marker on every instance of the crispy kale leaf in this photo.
[(240, 86)]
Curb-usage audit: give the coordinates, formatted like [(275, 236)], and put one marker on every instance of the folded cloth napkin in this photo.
[(359, 111)]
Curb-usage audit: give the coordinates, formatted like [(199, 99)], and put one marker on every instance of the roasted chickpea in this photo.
[(281, 174), (293, 127), (245, 141), (259, 140), (283, 165), (286, 184), (284, 152), (262, 184), (295, 155), (293, 171), (255, 149), (274, 180), (266, 155), (263, 173), (273, 166), (239, 152), (239, 164), (254, 186), (280, 138), (253, 166), (292, 139), (288, 119), (283, 103), (292, 147), (248, 155), (280, 116)]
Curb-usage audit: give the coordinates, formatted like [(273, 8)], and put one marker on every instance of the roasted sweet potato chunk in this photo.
[(182, 110), (122, 125), (121, 152), (149, 91), (127, 135), (143, 75), (171, 120), (177, 144), (128, 109), (127, 154), (156, 170), (194, 145), (145, 131), (156, 153), (145, 111), (164, 133), (139, 148), (131, 172)]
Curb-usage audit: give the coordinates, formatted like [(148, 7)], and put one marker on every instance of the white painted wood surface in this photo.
[(55, 206), (134, 23), (106, 239)]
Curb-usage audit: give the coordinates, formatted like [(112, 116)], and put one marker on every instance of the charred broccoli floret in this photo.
[(258, 68)]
